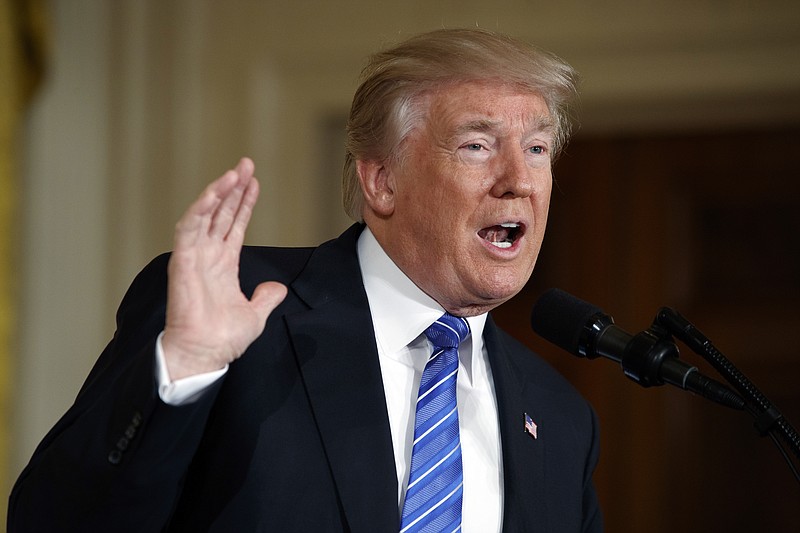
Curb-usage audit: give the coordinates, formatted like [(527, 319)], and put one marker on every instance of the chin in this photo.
[(500, 291), (507, 281)]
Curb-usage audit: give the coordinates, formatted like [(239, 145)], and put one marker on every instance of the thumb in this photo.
[(267, 297)]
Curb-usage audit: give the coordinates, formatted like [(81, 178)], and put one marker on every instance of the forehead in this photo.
[(486, 106)]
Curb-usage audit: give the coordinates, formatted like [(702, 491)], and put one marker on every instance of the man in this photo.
[(264, 389)]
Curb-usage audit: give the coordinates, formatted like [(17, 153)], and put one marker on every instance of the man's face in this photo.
[(469, 200)]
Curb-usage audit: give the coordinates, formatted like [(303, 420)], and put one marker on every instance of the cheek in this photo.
[(542, 209), (541, 202), (444, 206)]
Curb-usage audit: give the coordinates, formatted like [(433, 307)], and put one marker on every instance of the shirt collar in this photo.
[(400, 310)]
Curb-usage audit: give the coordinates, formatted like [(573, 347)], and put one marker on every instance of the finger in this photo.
[(225, 214), (246, 166), (267, 297), (196, 221), (242, 219)]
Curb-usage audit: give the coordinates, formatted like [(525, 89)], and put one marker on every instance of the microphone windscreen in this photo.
[(559, 317)]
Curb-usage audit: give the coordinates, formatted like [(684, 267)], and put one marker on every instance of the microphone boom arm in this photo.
[(767, 417)]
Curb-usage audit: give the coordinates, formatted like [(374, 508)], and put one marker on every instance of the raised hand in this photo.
[(210, 322)]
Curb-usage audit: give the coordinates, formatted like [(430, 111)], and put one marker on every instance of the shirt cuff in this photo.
[(186, 390)]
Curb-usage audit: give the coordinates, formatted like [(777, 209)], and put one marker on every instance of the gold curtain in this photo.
[(22, 46)]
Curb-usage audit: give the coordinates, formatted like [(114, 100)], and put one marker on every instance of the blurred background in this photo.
[(681, 188)]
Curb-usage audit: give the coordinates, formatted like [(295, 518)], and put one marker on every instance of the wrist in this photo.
[(184, 359)]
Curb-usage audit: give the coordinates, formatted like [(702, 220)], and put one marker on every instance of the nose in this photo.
[(514, 178)]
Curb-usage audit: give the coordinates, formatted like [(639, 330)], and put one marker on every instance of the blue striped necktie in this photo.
[(434, 493)]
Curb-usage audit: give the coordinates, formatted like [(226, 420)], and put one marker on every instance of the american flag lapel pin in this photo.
[(530, 426)]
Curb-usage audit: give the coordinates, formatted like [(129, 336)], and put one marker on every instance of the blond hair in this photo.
[(388, 103)]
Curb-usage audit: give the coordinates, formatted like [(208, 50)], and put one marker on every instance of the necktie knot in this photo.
[(448, 331)]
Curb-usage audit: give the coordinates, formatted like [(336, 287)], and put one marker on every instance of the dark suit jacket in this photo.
[(296, 435)]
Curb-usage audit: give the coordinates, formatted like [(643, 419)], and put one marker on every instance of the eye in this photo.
[(475, 149), (537, 149)]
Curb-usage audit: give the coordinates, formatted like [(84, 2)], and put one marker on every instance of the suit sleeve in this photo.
[(116, 460)]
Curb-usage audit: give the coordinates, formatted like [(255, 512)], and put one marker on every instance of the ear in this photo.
[(377, 185)]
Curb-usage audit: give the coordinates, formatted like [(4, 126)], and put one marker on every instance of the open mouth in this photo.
[(502, 235)]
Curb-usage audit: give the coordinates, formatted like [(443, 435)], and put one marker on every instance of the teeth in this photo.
[(502, 235)]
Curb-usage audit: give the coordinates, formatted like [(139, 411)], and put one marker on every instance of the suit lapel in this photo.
[(335, 346), (523, 456)]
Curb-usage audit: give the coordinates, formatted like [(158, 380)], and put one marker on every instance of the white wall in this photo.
[(63, 317)]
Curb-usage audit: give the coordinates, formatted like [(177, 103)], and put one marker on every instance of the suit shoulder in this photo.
[(278, 263), (270, 263), (257, 264)]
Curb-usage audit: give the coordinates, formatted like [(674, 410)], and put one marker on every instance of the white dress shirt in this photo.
[(400, 314)]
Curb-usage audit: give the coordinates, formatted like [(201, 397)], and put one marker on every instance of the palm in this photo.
[(210, 322)]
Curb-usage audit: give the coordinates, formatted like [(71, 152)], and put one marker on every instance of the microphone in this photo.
[(649, 358)]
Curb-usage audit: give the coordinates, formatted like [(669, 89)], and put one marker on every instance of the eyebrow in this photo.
[(544, 124), (480, 125), (540, 123)]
